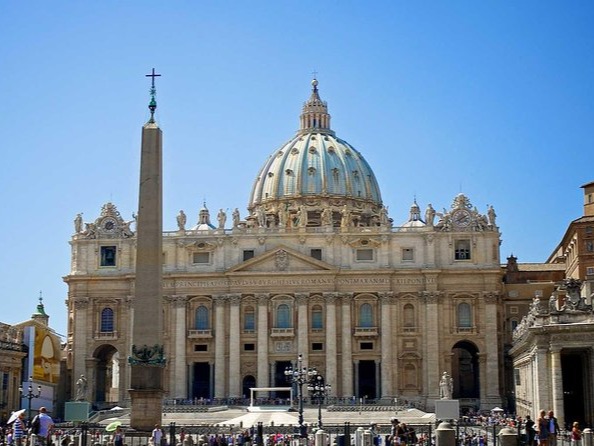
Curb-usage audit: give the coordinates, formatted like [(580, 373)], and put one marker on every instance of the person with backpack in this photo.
[(42, 426)]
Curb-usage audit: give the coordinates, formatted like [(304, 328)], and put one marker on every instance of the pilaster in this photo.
[(331, 341), (387, 347), (262, 331), (220, 372), (234, 346), (347, 345)]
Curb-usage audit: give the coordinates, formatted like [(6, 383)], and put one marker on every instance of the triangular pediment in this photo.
[(282, 259)]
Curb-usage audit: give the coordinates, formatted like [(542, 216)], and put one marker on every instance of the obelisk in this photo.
[(147, 358)]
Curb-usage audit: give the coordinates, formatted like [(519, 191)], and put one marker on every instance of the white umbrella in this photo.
[(15, 415)]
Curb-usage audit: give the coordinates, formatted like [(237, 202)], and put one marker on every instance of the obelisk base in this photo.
[(147, 409)]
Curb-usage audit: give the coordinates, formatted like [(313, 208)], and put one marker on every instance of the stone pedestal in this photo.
[(77, 411), (147, 409), (447, 409)]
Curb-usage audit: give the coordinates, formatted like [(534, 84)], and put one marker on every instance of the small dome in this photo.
[(414, 220), (316, 164)]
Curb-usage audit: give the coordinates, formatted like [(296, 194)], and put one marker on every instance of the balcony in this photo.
[(282, 332), (106, 335), (200, 334), (366, 332)]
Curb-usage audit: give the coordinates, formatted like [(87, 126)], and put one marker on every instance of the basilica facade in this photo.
[(316, 267)]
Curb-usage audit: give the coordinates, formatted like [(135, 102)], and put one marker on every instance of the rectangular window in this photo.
[(249, 347), (462, 250), (588, 229), (108, 256), (590, 271), (316, 253), (248, 254), (200, 347), (408, 254), (317, 346), (201, 257), (517, 377), (366, 345), (249, 321), (590, 246), (513, 310), (364, 255)]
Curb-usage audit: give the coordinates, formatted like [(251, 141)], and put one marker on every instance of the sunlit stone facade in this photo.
[(317, 267)]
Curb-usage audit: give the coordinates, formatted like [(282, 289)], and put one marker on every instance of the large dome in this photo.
[(317, 170)]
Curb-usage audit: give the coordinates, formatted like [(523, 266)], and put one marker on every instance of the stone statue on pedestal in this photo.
[(446, 384), (81, 388)]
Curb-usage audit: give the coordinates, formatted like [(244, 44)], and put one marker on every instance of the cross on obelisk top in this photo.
[(153, 75), (153, 103), (315, 74)]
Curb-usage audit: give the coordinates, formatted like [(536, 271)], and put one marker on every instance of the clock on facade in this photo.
[(461, 218)]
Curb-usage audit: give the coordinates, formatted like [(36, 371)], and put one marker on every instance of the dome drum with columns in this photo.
[(315, 268), (315, 179)]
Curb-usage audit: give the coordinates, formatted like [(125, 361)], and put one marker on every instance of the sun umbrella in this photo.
[(113, 426), (15, 415)]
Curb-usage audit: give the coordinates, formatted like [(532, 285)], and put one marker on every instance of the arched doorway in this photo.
[(465, 370), (107, 375), (248, 382)]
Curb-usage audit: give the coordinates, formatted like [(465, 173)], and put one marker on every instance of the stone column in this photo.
[(302, 327), (331, 342), (557, 383), (387, 346), (378, 387), (347, 345), (79, 313), (234, 346), (178, 378), (541, 384), (491, 348), (262, 330), (432, 365), (219, 302)]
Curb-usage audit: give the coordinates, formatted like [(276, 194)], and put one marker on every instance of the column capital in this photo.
[(178, 300), (491, 297), (234, 299), (301, 298), (430, 297), (555, 349), (262, 298), (330, 297), (219, 299), (386, 297), (346, 298), (81, 303)]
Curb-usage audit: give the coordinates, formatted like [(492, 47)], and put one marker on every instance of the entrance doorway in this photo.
[(367, 382), (577, 374), (280, 380), (465, 370), (201, 384), (107, 375)]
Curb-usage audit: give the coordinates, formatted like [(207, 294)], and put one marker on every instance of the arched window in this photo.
[(283, 316), (249, 319), (464, 315), (201, 322), (409, 316), (317, 323), (365, 316), (107, 320)]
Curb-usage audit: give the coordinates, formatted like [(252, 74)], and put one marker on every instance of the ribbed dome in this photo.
[(315, 164)]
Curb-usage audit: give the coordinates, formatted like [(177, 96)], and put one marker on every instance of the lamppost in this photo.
[(30, 395), (299, 376), (319, 390)]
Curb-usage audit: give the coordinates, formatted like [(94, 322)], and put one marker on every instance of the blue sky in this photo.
[(493, 99)]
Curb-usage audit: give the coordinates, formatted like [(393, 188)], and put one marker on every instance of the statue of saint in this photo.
[(81, 388), (282, 218), (345, 221), (181, 221), (326, 217), (384, 220), (491, 214), (446, 385), (261, 216), (78, 224), (429, 215), (236, 218), (222, 219)]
